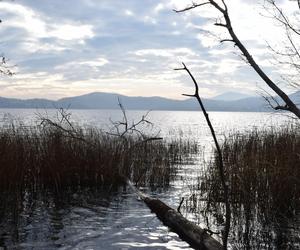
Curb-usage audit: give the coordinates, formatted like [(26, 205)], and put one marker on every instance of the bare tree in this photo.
[(221, 167), (225, 22), (288, 54)]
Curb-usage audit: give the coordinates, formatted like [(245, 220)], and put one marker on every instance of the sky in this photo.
[(73, 47)]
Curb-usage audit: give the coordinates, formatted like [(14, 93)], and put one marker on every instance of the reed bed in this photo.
[(34, 158), (263, 174), (57, 165)]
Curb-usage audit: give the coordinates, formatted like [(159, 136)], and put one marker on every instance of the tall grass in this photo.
[(55, 166), (263, 173), (46, 157)]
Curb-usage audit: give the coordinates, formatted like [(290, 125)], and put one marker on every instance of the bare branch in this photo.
[(269, 99), (194, 80), (218, 7), (227, 40), (285, 107), (290, 104), (193, 6), (225, 6), (221, 167), (220, 24), (64, 124), (4, 68), (188, 95), (289, 54), (281, 17), (123, 129), (180, 204), (125, 123), (293, 46)]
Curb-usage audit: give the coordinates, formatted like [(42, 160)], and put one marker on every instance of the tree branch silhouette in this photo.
[(221, 167)]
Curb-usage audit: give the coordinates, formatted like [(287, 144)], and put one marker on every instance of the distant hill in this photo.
[(100, 100), (230, 96), (30, 103)]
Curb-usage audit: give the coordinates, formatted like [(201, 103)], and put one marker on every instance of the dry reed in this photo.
[(46, 157), (263, 174)]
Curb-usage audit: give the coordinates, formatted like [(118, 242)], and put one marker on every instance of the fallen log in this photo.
[(194, 235)]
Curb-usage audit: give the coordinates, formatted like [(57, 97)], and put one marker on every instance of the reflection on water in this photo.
[(95, 219), (86, 219), (169, 123)]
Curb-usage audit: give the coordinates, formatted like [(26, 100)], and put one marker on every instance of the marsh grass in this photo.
[(34, 158), (263, 174), (54, 166)]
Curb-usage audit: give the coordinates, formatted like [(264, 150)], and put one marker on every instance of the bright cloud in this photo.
[(165, 52), (25, 18), (131, 47), (39, 27), (129, 13), (72, 32), (159, 7), (98, 62)]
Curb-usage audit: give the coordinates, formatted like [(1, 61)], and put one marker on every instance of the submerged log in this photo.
[(194, 235)]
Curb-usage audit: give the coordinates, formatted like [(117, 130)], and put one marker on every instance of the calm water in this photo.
[(116, 220), (170, 124)]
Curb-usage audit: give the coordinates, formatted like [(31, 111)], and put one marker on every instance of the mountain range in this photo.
[(230, 101)]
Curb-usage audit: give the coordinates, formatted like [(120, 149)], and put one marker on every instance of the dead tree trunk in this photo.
[(194, 235)]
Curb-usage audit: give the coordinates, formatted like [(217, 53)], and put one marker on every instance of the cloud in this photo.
[(149, 19), (92, 63), (228, 66), (128, 46), (39, 26), (159, 7), (165, 52), (71, 32), (129, 13), (96, 63)]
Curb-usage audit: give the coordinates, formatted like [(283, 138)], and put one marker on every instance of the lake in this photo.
[(118, 219)]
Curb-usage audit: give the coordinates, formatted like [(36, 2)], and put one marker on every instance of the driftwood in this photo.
[(194, 235)]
